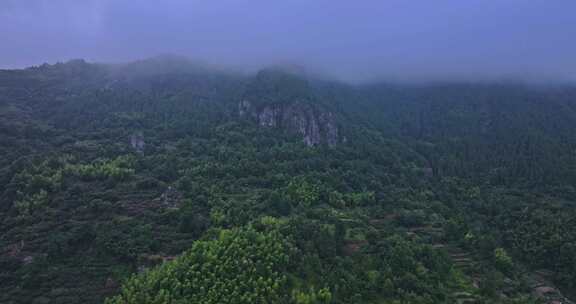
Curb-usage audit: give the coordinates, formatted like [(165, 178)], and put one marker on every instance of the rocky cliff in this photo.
[(280, 99), (315, 125)]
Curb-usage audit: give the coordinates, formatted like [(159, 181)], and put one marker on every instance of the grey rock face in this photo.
[(137, 142), (316, 126), (268, 117), (244, 107), (329, 123)]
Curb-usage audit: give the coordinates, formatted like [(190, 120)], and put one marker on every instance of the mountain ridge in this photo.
[(380, 193)]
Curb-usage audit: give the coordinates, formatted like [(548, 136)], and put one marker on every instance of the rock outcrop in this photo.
[(278, 99), (316, 126), (137, 142)]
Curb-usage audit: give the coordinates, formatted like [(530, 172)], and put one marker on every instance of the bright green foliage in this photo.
[(350, 200), (34, 184), (503, 260), (312, 297), (32, 202), (118, 169), (400, 269), (302, 193), (240, 266)]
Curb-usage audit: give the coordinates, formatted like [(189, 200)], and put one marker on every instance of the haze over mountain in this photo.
[(294, 152), (162, 180), (398, 40)]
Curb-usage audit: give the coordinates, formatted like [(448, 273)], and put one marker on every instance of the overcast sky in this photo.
[(353, 39)]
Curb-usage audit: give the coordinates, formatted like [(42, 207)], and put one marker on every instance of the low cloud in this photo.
[(355, 41)]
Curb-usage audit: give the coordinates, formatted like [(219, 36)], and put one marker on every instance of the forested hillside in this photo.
[(163, 181)]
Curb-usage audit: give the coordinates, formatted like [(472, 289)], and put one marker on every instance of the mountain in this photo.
[(168, 181), (278, 99)]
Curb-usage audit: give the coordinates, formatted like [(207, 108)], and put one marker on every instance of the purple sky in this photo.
[(353, 39)]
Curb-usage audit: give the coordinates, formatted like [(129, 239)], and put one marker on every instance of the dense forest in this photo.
[(164, 181)]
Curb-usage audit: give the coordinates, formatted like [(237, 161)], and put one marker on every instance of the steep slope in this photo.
[(504, 133), (375, 193), (278, 99)]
